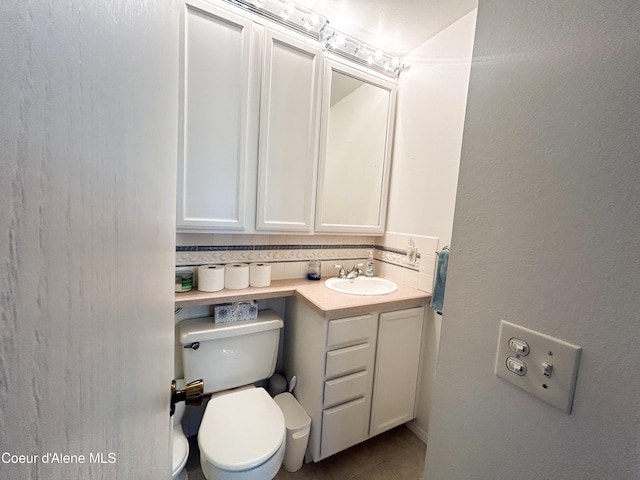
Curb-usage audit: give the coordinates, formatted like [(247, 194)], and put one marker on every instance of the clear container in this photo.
[(314, 270)]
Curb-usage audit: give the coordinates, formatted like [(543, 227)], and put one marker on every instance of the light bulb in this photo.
[(395, 61), (377, 55)]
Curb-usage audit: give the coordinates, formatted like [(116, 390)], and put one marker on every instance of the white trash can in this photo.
[(298, 426)]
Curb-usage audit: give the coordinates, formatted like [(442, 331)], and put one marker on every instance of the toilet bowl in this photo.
[(242, 436), (180, 454), (179, 442)]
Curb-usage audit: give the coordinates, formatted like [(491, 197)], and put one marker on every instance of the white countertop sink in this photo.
[(361, 285)]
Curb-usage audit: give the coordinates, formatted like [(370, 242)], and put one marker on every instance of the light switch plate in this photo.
[(556, 388)]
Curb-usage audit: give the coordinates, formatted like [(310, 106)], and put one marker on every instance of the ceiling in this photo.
[(395, 26)]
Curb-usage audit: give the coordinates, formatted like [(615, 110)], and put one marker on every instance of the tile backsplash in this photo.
[(391, 250), (289, 255)]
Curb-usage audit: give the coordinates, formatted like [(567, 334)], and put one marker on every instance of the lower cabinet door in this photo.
[(344, 426), (396, 374)]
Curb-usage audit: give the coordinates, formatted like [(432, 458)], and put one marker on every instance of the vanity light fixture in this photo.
[(352, 49), (287, 13), (316, 26), (288, 9), (313, 20)]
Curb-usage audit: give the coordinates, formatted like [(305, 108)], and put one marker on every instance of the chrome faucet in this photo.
[(353, 273)]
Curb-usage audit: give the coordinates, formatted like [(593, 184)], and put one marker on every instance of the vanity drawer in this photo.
[(345, 388), (344, 426), (352, 330), (347, 360)]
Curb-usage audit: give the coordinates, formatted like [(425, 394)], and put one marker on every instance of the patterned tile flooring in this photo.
[(394, 455)]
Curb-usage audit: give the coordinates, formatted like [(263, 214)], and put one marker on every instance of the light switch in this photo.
[(547, 368), (517, 366), (519, 346)]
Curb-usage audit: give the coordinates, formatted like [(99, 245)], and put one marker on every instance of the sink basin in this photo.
[(361, 285)]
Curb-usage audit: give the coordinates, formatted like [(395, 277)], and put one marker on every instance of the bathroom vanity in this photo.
[(357, 375), (356, 358)]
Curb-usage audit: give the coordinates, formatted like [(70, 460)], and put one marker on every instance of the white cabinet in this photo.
[(273, 136), (250, 119), (219, 99), (289, 117), (357, 376), (396, 372)]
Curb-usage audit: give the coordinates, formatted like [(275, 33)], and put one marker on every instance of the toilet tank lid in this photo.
[(203, 329)]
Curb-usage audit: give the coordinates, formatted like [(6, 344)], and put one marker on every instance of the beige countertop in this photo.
[(325, 302)]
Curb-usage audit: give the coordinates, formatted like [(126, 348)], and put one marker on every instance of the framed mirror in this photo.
[(358, 111)]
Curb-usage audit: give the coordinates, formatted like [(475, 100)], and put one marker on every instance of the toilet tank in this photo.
[(229, 355)]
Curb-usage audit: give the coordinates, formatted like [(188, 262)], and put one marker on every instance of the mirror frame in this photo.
[(331, 66)]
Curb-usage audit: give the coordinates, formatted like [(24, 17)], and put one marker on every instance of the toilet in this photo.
[(242, 434), (180, 444)]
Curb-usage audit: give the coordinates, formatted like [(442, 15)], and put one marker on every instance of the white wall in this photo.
[(430, 117), (546, 235)]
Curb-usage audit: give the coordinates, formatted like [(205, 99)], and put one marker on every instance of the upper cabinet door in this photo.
[(289, 117), (218, 98), (358, 112)]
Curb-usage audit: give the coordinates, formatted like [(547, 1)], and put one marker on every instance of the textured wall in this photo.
[(88, 139), (546, 235)]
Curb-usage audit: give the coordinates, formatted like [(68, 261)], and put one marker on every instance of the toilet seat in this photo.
[(241, 430)]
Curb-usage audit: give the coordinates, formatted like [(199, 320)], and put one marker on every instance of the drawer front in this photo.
[(352, 330), (344, 426), (347, 360), (345, 388)]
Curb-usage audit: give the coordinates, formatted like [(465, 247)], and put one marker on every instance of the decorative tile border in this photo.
[(207, 248), (396, 256), (199, 255)]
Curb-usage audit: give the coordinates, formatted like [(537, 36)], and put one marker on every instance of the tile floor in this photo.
[(394, 455)]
